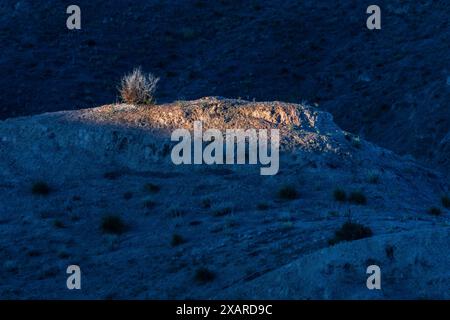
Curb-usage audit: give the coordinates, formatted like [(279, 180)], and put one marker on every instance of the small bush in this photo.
[(204, 275), (231, 223), (390, 251), (357, 197), (63, 255), (112, 175), (187, 33), (339, 195), (152, 188), (287, 225), (58, 224), (373, 178), (113, 224), (356, 142), (350, 231), (40, 188), (176, 212), (206, 203), (262, 206), (222, 211), (435, 211), (137, 88), (333, 214), (446, 201), (149, 203), (177, 240), (287, 192)]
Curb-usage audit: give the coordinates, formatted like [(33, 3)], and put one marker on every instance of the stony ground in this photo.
[(180, 220)]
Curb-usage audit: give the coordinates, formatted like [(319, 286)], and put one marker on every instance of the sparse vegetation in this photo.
[(187, 33), (389, 252), (63, 255), (446, 201), (75, 217), (356, 143), (231, 223), (223, 211), (262, 206), (176, 212), (34, 253), (348, 136), (373, 178), (287, 225), (137, 88), (112, 175), (165, 151), (333, 214), (357, 197), (149, 203), (40, 188), (288, 192), (58, 224), (204, 275), (177, 240), (435, 211), (339, 195), (113, 224), (152, 188), (350, 231), (11, 266), (206, 203)]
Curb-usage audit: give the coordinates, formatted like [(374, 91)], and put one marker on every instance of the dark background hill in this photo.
[(391, 86)]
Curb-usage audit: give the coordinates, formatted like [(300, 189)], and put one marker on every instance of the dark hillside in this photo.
[(390, 86)]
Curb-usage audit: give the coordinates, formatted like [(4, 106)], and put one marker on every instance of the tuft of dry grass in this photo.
[(40, 188), (152, 188), (113, 224), (446, 201), (350, 231), (204, 275), (339, 195), (177, 240), (288, 192), (357, 197), (435, 211), (138, 88)]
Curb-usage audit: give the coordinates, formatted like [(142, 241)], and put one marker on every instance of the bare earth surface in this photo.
[(258, 245)]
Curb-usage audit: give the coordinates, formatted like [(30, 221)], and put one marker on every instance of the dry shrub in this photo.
[(138, 88)]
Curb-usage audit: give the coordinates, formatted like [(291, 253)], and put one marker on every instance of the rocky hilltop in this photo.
[(200, 231)]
